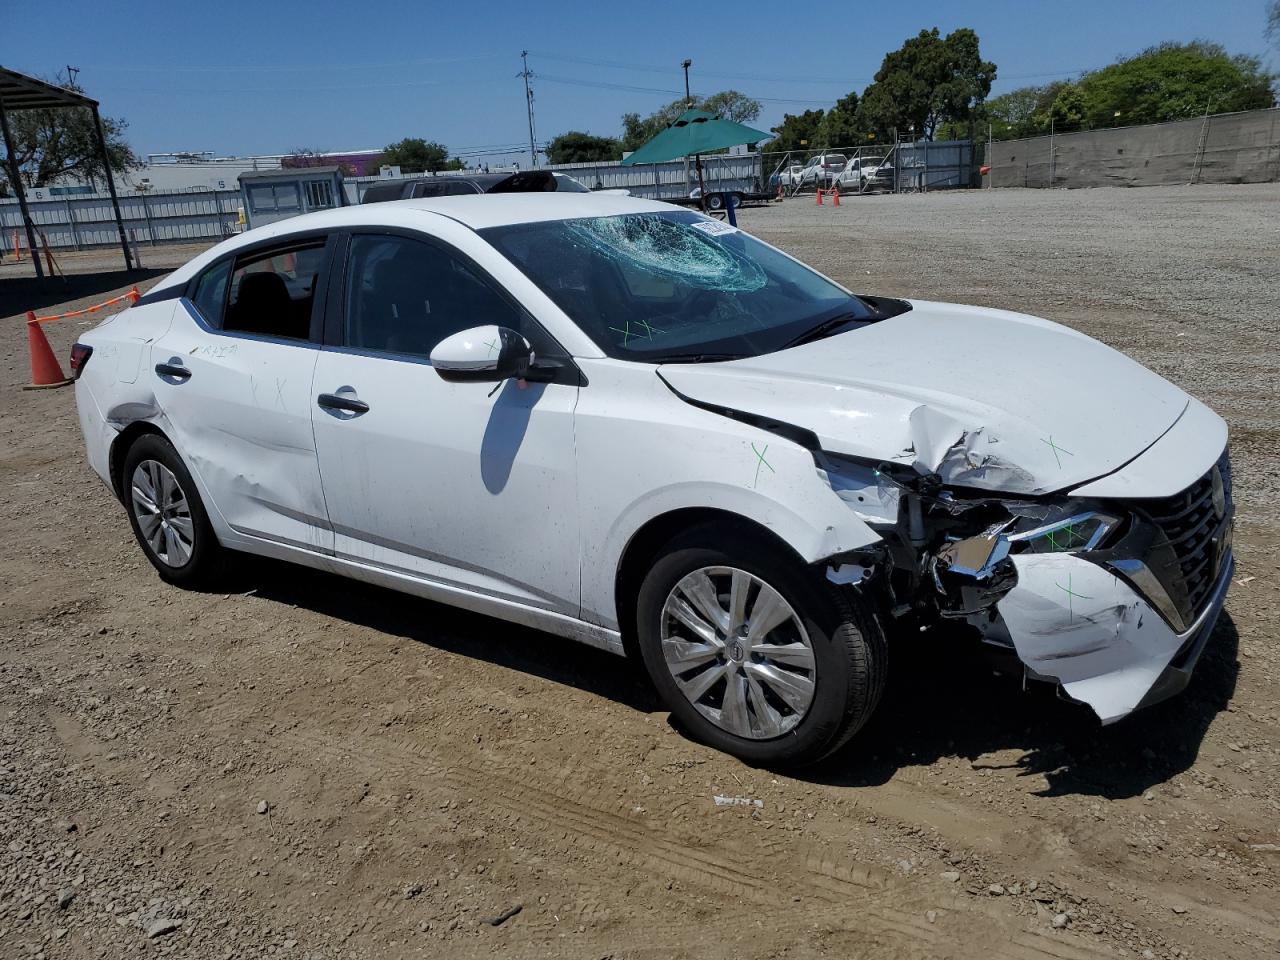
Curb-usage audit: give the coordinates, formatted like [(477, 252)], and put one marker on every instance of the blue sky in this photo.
[(243, 78)]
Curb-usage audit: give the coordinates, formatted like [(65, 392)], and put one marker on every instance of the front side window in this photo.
[(273, 292), (662, 287), (404, 296)]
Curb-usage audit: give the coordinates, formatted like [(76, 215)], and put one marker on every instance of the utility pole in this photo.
[(688, 100), (697, 157), (528, 98), (71, 75)]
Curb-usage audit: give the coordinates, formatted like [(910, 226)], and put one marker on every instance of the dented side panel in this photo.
[(243, 425)]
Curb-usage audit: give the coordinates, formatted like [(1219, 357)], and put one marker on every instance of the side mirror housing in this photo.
[(487, 354)]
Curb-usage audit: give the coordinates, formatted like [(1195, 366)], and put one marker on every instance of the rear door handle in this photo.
[(341, 404), (175, 372)]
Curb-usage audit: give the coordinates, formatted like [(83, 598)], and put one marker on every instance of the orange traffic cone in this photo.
[(835, 196), (45, 371), (819, 196)]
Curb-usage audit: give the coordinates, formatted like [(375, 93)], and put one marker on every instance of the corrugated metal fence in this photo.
[(75, 222)]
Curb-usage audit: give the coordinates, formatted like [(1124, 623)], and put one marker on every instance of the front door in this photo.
[(466, 484)]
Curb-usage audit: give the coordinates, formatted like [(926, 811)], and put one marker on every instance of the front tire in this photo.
[(167, 516), (754, 653)]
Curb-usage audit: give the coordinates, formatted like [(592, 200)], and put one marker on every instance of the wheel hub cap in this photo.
[(738, 652), (164, 516)]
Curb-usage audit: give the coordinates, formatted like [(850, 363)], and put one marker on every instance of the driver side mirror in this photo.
[(487, 354)]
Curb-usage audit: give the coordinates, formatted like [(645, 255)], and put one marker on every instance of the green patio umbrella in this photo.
[(694, 133)]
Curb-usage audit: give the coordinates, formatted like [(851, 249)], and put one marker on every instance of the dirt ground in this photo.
[(315, 768)]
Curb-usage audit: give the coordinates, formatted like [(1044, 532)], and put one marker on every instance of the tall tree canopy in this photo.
[(798, 131), (578, 147), (729, 104), (929, 81), (415, 155), (50, 145), (1173, 81), (841, 127)]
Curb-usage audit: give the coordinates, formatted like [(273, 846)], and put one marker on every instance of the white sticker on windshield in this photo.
[(713, 228)]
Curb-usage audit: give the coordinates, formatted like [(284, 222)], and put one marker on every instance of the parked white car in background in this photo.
[(643, 429), (788, 176), (821, 171), (863, 173)]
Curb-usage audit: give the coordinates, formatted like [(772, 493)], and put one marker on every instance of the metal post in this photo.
[(1051, 156), (146, 213), (71, 219), (16, 179), (111, 187), (991, 170), (702, 190)]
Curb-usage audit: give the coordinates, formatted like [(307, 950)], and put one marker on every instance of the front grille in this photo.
[(1192, 522)]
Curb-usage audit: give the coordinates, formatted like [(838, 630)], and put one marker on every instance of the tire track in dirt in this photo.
[(575, 818)]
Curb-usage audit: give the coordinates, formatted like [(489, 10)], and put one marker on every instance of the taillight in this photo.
[(80, 354)]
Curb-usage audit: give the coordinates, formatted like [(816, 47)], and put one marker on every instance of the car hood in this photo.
[(985, 398)]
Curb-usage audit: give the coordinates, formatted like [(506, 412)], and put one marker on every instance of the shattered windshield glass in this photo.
[(665, 287)]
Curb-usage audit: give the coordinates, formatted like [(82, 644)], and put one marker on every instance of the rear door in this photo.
[(233, 377)]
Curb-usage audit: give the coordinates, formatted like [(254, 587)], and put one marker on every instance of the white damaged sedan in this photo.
[(631, 425)]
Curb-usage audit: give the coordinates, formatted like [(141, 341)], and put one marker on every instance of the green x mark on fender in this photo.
[(761, 461), (1056, 450), (1071, 594)]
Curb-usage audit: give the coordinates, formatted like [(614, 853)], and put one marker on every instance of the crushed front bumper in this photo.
[(1077, 623)]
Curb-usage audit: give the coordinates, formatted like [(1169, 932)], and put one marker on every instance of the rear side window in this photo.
[(405, 296), (211, 292), (273, 292)]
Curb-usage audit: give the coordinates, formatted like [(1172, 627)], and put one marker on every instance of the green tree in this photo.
[(729, 104), (1174, 81), (55, 144), (415, 155), (578, 147), (929, 81), (840, 127), (1068, 110), (797, 132), (1020, 113)]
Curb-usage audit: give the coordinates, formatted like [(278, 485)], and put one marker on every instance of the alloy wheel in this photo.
[(738, 652), (163, 513)]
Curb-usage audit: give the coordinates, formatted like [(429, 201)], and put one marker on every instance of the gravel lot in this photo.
[(312, 767)]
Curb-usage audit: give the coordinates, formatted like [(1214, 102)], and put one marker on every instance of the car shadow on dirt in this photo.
[(20, 294), (942, 701), (453, 630)]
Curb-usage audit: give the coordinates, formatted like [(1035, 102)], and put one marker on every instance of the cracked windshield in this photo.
[(670, 287)]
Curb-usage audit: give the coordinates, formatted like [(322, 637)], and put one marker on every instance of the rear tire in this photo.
[(787, 707), (168, 517), (715, 201)]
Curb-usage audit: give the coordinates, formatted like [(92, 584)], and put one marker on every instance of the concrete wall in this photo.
[(1226, 148)]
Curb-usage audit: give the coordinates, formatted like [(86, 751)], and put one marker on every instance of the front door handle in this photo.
[(342, 404), (173, 372)]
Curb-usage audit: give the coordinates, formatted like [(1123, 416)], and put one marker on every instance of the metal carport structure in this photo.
[(21, 92)]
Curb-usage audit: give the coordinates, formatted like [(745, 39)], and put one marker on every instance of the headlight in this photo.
[(1083, 531)]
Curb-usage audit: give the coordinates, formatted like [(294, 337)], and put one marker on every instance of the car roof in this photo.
[(478, 211)]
